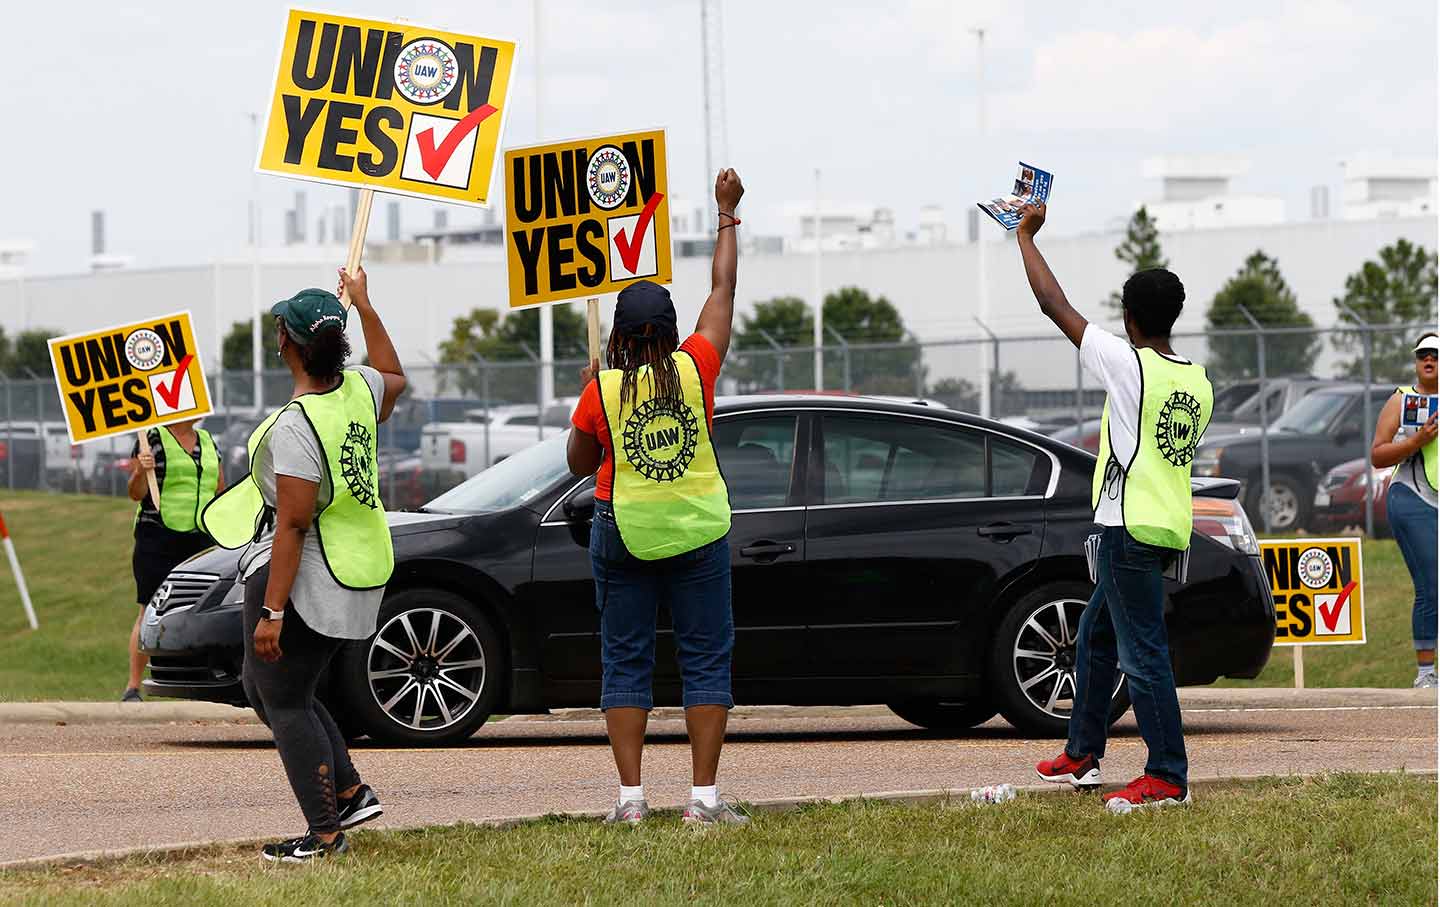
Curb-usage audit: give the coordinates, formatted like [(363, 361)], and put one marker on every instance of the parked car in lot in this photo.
[(1340, 498), (22, 456), (488, 436), (882, 553), (1237, 403), (1085, 435), (1324, 429)]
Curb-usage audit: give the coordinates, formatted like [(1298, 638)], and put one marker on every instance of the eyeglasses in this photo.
[(1424, 354)]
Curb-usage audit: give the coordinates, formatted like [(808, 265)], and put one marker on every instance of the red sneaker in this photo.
[(1078, 773), (1146, 791)]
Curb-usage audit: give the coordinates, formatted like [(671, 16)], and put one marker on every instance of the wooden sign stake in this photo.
[(357, 237), (592, 318), (1299, 667), (149, 473)]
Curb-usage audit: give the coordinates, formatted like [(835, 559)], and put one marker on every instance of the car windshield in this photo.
[(1312, 413), (510, 483)]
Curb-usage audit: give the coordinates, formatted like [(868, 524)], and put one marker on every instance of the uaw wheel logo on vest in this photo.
[(1178, 429), (607, 177), (425, 71), (357, 467), (660, 439)]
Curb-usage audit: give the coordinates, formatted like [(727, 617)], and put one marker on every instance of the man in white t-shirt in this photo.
[(1157, 407)]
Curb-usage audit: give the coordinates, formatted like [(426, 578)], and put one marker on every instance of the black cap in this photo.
[(644, 303)]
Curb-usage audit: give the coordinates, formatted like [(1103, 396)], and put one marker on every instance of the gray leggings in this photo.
[(312, 749)]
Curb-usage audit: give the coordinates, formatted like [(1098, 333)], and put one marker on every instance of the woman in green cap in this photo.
[(318, 549)]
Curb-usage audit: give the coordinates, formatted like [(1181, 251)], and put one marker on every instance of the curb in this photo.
[(1191, 699), (934, 797)]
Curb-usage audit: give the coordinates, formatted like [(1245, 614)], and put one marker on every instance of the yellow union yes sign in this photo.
[(129, 377), (1317, 585), (392, 106), (586, 217)]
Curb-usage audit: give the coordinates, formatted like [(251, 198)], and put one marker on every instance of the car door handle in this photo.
[(1003, 532), (766, 550)]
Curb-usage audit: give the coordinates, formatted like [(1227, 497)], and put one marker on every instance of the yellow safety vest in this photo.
[(186, 487), (354, 535), (1427, 452), (1175, 404), (669, 496)]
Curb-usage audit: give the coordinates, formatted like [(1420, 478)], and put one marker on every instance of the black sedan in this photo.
[(883, 553)]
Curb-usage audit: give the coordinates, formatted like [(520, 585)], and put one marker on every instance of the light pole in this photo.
[(256, 344), (982, 298), (819, 294)]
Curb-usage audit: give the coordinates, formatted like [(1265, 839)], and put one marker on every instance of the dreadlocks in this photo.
[(648, 348)]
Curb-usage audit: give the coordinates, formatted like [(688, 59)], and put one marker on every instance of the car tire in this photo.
[(1293, 505), (396, 684), (1022, 686), (941, 715)]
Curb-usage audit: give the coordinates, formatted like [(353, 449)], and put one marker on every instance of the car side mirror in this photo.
[(580, 506)]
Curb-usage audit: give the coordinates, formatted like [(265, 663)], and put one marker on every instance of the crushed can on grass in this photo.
[(993, 793)]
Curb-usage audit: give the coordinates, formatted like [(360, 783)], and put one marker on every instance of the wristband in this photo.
[(729, 215), (723, 226)]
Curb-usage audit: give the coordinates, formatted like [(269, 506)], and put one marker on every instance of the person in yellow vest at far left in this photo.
[(317, 550), (188, 473)]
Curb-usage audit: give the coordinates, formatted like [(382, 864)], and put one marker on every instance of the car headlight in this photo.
[(1207, 462), (236, 595)]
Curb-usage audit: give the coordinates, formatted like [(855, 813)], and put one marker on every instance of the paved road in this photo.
[(87, 787)]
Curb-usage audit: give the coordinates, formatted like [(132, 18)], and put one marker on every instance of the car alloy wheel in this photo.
[(1043, 656), (426, 669), (1284, 506)]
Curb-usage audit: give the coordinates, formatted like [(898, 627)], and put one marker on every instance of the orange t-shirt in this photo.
[(589, 414)]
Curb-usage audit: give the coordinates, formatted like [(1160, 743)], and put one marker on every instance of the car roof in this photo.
[(895, 405)]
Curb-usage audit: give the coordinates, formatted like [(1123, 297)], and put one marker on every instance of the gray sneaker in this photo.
[(722, 813), (1426, 681), (631, 812)]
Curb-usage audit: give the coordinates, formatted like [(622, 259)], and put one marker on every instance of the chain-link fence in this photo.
[(1294, 412)]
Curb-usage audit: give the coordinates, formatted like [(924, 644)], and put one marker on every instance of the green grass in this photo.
[(75, 550), (1343, 839), (76, 553)]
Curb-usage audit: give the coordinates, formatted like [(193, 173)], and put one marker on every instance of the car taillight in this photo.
[(4, 450), (457, 451), (1225, 522)]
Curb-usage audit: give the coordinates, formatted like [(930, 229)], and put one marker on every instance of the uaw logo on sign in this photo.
[(1317, 589), (586, 217), (1177, 431), (390, 106), (129, 377), (660, 439)]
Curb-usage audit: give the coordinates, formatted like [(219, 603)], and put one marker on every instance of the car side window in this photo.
[(878, 459), (1011, 468), (756, 455)]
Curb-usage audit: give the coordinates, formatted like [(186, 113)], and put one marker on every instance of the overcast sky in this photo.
[(142, 109)]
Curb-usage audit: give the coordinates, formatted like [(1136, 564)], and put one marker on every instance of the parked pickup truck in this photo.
[(488, 436)]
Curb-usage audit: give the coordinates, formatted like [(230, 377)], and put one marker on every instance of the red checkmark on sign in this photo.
[(629, 247), (1331, 615), (171, 394), (432, 158)]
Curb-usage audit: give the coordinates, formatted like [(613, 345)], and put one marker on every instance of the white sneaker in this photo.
[(1426, 680)]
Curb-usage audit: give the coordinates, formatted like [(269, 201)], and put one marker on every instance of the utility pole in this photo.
[(982, 298), (712, 81), (546, 386)]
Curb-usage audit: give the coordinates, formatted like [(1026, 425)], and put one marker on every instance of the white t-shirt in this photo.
[(1114, 362)]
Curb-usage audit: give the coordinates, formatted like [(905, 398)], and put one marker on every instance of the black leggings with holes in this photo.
[(312, 749)]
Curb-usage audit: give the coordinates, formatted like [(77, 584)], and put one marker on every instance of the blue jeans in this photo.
[(694, 586), (1415, 525), (1123, 628)]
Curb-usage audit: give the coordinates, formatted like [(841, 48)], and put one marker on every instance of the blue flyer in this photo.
[(1416, 410), (1032, 187)]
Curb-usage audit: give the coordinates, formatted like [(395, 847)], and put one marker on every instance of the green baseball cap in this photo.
[(308, 311)]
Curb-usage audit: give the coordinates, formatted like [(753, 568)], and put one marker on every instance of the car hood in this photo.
[(225, 562)]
